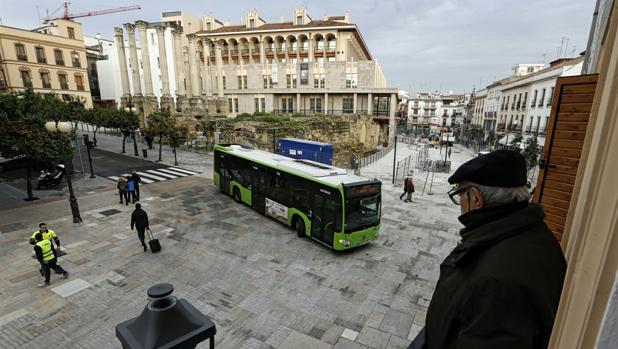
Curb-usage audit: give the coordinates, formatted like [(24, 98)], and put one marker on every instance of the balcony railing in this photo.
[(304, 48), (22, 58), (80, 87), (244, 51), (331, 49), (280, 49), (60, 62), (269, 50), (234, 52), (41, 59), (64, 86)]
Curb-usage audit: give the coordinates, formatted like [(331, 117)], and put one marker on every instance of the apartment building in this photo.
[(478, 111), (50, 59), (429, 112), (526, 101), (301, 66)]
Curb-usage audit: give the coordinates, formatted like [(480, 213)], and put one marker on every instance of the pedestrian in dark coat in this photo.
[(122, 189), (149, 139), (500, 286), (409, 188), (136, 181), (405, 187), (139, 220)]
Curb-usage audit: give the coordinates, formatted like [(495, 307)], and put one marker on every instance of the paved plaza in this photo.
[(262, 285)]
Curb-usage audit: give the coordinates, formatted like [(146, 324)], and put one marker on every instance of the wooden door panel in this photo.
[(559, 186), (554, 210), (579, 88), (566, 132), (571, 153), (562, 160), (555, 218), (570, 135), (557, 177), (557, 194), (571, 126), (576, 107), (565, 143), (578, 98), (574, 117)]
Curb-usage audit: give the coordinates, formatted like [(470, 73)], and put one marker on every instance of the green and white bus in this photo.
[(337, 209)]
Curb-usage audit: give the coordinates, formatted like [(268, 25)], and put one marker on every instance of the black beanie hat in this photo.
[(501, 168)]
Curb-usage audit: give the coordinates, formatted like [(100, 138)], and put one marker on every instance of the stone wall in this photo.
[(348, 134)]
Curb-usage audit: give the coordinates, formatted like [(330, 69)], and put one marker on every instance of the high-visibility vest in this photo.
[(48, 235), (46, 249)]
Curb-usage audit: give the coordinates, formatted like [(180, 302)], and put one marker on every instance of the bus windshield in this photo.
[(362, 212)]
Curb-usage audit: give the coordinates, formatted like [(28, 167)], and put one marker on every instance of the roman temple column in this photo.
[(143, 41), (166, 97), (137, 83), (122, 60)]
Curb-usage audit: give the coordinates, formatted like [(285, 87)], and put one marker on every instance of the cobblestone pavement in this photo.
[(262, 285)]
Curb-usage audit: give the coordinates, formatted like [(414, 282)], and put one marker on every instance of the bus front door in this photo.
[(258, 188), (322, 219)]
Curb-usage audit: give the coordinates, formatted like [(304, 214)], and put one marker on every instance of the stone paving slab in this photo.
[(262, 285)]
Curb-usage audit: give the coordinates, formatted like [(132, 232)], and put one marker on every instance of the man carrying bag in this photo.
[(139, 220)]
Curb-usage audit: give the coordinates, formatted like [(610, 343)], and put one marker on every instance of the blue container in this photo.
[(305, 149)]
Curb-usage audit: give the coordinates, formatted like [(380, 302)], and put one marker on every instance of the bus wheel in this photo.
[(300, 227), (237, 195)]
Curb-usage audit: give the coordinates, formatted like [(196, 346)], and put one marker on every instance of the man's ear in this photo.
[(477, 201)]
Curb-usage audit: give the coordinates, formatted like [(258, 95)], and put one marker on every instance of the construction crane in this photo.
[(70, 16)]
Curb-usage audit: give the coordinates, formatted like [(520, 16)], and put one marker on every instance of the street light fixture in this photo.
[(66, 128), (132, 109)]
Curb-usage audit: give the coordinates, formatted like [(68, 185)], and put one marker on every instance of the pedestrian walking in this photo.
[(131, 189), (409, 187), (149, 139), (405, 187), (46, 255), (48, 234), (137, 180), (500, 287), (449, 152), (127, 134), (122, 189), (139, 221)]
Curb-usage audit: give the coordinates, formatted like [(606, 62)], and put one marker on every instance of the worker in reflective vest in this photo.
[(46, 255), (48, 234)]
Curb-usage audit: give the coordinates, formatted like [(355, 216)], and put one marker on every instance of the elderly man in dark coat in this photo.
[(500, 287)]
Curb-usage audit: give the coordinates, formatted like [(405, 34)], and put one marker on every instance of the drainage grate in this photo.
[(111, 212)]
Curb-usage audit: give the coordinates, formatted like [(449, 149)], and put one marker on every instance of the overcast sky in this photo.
[(420, 44)]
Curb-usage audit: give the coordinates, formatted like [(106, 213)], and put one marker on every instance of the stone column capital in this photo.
[(118, 31), (130, 28), (177, 33), (141, 25), (160, 30), (192, 38)]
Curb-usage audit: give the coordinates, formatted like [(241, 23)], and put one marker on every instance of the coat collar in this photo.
[(489, 226)]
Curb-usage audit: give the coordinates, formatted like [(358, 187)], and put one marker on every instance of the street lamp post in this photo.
[(65, 127), (132, 109), (89, 146)]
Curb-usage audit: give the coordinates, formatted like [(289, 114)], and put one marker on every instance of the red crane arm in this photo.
[(103, 12), (68, 15)]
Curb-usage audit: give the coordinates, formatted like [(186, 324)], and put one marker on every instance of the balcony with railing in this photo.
[(22, 57), (234, 52)]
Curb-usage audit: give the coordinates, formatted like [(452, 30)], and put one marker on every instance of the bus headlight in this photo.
[(344, 242)]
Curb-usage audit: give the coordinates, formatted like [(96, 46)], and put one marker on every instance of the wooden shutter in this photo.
[(570, 113)]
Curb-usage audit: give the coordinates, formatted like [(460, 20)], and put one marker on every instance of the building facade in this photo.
[(305, 66), (51, 59)]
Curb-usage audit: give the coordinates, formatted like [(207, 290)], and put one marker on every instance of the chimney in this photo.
[(347, 17)]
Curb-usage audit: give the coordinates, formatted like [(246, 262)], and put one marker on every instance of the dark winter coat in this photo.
[(409, 186), (500, 287), (139, 219)]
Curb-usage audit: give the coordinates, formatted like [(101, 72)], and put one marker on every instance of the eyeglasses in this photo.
[(455, 193)]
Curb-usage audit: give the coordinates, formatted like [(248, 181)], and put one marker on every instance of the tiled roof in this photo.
[(336, 18), (274, 26)]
